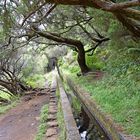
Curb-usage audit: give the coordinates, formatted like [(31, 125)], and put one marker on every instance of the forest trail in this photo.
[(21, 122)]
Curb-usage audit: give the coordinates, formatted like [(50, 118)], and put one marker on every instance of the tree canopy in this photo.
[(82, 26)]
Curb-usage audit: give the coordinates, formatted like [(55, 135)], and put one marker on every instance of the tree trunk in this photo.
[(81, 59), (14, 87), (75, 43), (7, 86)]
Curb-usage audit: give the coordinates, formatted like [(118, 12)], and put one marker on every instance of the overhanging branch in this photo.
[(32, 12)]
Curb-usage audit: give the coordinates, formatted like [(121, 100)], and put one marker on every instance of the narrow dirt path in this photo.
[(21, 122)]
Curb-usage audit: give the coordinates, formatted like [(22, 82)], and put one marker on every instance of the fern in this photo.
[(5, 96)]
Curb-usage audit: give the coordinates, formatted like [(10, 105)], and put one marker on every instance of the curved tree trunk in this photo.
[(14, 87), (76, 44), (8, 86), (81, 59)]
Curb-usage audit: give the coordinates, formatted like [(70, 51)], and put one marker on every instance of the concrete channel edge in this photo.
[(70, 124)]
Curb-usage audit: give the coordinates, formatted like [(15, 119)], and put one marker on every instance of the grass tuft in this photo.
[(43, 124)]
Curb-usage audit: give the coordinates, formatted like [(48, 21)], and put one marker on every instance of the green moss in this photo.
[(60, 119), (75, 103)]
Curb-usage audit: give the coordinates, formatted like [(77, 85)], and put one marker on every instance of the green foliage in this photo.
[(121, 63), (118, 97), (101, 23), (70, 62), (36, 80), (43, 119), (5, 108), (44, 114), (94, 62), (76, 105), (114, 29), (118, 92), (5, 96), (22, 9), (74, 69), (27, 71)]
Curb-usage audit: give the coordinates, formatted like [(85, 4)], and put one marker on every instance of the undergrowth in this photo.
[(7, 101), (118, 97), (43, 125), (36, 80), (5, 108)]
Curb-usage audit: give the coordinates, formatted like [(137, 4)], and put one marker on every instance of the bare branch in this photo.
[(46, 14), (32, 12), (93, 49), (124, 5), (95, 39)]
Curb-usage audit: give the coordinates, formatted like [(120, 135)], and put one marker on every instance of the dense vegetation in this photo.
[(118, 60), (100, 36), (117, 92)]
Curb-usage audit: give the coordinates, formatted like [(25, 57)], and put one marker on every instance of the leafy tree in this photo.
[(10, 68), (29, 22), (34, 26), (121, 10)]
